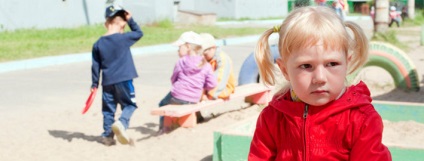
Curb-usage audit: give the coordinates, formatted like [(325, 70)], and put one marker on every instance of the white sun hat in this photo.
[(189, 37)]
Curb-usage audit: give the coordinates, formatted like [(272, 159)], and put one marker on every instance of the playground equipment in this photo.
[(384, 55), (233, 142), (185, 115), (249, 72), (396, 62)]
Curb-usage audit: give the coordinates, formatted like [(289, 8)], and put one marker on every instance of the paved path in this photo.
[(67, 85)]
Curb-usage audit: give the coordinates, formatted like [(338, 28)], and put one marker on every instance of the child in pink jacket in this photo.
[(192, 74)]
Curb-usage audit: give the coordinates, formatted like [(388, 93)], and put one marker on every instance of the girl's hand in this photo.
[(204, 98)]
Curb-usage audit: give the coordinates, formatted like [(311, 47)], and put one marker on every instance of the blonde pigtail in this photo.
[(264, 59), (197, 49), (359, 45)]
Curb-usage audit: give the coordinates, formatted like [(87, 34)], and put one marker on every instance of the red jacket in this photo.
[(346, 129)]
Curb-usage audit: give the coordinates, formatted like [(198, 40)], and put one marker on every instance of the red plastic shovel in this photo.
[(89, 100)]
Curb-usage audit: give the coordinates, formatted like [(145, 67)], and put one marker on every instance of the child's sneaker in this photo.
[(108, 141), (120, 133)]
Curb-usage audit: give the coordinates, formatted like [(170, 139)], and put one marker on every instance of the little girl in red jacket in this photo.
[(317, 116)]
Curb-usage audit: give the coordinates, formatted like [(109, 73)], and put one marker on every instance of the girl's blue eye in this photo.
[(305, 66)]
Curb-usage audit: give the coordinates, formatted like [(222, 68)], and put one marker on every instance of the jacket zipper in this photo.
[(305, 114)]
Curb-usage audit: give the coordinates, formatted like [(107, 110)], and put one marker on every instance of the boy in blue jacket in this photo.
[(112, 56)]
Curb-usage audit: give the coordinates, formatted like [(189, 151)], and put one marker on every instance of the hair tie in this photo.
[(277, 28)]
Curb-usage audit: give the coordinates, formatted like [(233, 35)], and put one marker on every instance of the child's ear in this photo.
[(349, 58), (348, 61), (123, 23), (282, 68)]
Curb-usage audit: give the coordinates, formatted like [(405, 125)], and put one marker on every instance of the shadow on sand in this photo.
[(207, 158), (66, 135), (400, 95), (150, 129)]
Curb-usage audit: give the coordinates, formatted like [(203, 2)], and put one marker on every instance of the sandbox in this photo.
[(233, 142)]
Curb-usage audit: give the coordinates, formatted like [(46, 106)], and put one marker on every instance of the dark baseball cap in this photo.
[(112, 10)]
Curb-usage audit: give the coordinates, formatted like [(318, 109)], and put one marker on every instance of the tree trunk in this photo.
[(411, 9), (381, 15)]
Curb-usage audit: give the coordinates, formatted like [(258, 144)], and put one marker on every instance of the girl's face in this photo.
[(316, 76), (209, 53), (183, 50)]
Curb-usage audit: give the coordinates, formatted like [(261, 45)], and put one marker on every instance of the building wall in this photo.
[(237, 9), (260, 9), (149, 11), (187, 4), (41, 14), (222, 8)]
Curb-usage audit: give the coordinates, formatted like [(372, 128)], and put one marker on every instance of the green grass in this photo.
[(391, 35), (32, 43), (417, 21)]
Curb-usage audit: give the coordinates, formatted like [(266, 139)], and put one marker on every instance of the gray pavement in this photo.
[(67, 86)]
